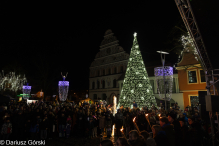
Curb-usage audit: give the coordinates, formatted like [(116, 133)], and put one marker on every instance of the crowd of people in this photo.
[(40, 121)]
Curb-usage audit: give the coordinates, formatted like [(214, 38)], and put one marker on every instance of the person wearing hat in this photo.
[(176, 125)]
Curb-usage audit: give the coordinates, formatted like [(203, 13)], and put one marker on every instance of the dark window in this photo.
[(115, 70), (109, 71), (103, 96), (103, 84), (114, 83), (98, 73), (192, 76), (121, 69), (202, 74), (121, 85), (93, 85), (95, 96), (98, 84), (103, 72)]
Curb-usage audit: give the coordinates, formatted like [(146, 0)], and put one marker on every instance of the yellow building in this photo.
[(191, 78)]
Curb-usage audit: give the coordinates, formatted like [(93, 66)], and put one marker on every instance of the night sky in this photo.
[(44, 39)]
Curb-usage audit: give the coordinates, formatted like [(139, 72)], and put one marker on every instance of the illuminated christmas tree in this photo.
[(136, 84)]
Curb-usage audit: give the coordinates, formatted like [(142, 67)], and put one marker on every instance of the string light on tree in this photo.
[(136, 85)]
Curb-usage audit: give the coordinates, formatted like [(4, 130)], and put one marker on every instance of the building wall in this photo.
[(108, 65), (186, 97), (185, 85), (187, 88)]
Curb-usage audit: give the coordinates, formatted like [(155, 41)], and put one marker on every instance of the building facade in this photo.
[(108, 66), (191, 79)]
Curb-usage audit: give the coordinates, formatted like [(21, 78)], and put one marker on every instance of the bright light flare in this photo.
[(134, 119)]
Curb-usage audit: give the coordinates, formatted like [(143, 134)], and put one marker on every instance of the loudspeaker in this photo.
[(201, 95), (212, 103), (202, 105)]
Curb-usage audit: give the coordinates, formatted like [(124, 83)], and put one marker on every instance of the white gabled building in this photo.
[(108, 66)]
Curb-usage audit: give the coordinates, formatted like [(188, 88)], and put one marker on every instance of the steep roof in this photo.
[(188, 59)]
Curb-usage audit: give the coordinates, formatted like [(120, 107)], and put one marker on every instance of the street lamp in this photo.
[(163, 62)]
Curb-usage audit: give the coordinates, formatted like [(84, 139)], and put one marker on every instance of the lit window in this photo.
[(192, 77)]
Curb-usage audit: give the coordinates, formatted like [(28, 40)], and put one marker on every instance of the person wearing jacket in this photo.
[(127, 123), (168, 128), (51, 122), (68, 128), (119, 122), (62, 124), (102, 123), (96, 122), (44, 127), (6, 130), (172, 120), (27, 129), (196, 132), (109, 126), (159, 136), (34, 130), (184, 132)]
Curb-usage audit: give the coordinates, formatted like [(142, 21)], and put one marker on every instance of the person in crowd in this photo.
[(19, 126), (27, 129), (172, 120), (119, 122), (95, 121), (106, 143), (68, 128), (135, 104), (109, 126), (34, 130), (196, 132), (159, 136), (6, 130), (127, 123), (102, 123), (50, 118), (184, 132), (62, 123), (168, 128), (121, 142), (69, 118), (44, 127), (134, 139)]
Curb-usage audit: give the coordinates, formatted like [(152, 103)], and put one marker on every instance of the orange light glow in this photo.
[(134, 119), (146, 114), (121, 130)]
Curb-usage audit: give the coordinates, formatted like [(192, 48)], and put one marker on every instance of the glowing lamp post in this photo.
[(164, 79), (26, 91), (63, 88)]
